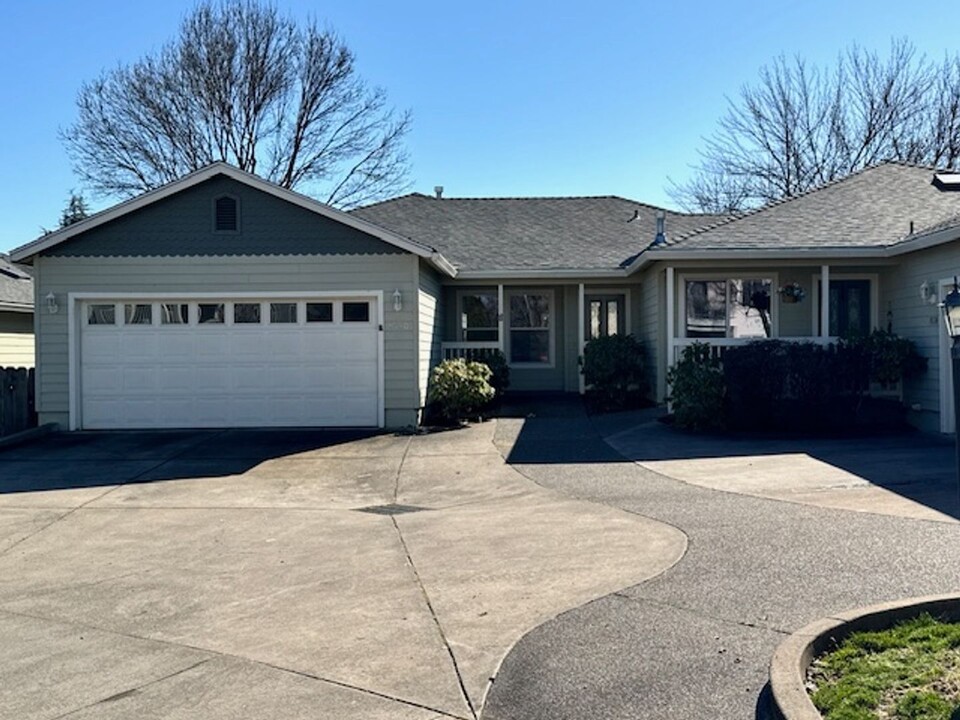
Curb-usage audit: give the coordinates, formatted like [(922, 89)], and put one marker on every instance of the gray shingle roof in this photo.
[(872, 208), (16, 285), (529, 233)]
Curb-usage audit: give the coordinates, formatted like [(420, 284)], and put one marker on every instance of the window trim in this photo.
[(213, 209), (551, 327), (462, 293), (873, 278), (726, 277)]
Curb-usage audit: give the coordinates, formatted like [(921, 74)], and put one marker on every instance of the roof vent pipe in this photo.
[(661, 238), (439, 191)]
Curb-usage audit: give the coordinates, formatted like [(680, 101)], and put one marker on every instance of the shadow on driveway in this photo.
[(917, 466), (98, 459)]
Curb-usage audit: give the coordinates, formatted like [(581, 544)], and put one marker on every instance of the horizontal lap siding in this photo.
[(430, 327), (920, 321), (227, 275), (16, 350), (651, 328)]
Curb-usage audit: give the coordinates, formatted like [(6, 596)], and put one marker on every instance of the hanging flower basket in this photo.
[(791, 293)]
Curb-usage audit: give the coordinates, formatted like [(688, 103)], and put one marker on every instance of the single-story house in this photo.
[(16, 316), (224, 300)]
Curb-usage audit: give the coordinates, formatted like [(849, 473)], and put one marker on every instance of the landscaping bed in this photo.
[(908, 672)]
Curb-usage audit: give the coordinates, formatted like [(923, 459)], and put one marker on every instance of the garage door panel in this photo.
[(136, 376)]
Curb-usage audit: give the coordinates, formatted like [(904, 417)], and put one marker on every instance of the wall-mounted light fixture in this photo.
[(397, 300), (52, 306)]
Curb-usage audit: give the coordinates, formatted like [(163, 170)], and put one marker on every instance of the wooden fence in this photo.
[(17, 407)]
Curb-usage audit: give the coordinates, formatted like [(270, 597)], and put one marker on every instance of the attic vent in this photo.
[(226, 214)]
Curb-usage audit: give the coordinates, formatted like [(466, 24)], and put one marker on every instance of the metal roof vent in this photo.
[(661, 237)]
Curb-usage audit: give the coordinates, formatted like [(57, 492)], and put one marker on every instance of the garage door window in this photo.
[(246, 313), (356, 312), (174, 314), (102, 315), (283, 313), (138, 314), (319, 312), (210, 313)]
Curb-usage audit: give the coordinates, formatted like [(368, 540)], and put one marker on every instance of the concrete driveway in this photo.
[(287, 574)]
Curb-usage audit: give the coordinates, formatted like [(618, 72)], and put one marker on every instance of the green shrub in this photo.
[(500, 372), (889, 358), (615, 372), (459, 389), (697, 389)]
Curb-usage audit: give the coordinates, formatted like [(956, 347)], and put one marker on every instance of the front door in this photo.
[(605, 315)]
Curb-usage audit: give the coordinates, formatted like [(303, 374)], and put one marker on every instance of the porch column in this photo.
[(824, 301), (500, 317), (671, 314), (671, 320), (581, 342)]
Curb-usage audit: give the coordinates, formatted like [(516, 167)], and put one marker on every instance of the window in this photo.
[(320, 312), (479, 321), (101, 315), (174, 314), (356, 312), (138, 314), (226, 214), (850, 311), (530, 328), (733, 307), (210, 313), (283, 313), (246, 313), (605, 315)]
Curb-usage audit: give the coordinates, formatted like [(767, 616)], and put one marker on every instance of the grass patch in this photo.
[(909, 672)]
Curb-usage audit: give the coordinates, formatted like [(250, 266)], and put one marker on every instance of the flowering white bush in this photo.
[(459, 389)]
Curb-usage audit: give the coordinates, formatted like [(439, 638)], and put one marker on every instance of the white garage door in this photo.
[(229, 362)]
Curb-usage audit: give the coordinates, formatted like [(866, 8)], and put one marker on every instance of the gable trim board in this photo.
[(74, 334), (28, 251)]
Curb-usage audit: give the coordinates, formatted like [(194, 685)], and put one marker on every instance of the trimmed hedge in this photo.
[(772, 385), (614, 372)]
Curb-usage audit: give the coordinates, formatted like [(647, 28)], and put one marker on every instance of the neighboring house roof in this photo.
[(530, 234), (875, 208), (16, 287), (50, 240)]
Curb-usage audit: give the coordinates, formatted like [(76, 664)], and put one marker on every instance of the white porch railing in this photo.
[(468, 350)]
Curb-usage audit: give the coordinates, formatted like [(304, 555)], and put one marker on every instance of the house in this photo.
[(224, 300), (16, 315)]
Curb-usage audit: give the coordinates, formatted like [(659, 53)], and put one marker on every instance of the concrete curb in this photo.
[(788, 670), (25, 436)]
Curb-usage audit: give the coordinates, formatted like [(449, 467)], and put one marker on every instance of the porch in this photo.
[(540, 327)]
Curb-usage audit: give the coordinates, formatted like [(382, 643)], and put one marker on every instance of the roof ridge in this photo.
[(810, 191), (388, 200)]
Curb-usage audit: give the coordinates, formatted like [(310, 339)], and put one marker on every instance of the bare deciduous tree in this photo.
[(801, 126), (241, 83)]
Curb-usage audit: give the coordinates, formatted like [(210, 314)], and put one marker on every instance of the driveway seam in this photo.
[(436, 620), (403, 460), (219, 653), (643, 600), (131, 691)]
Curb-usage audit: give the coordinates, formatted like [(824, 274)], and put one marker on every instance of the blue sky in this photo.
[(509, 98)]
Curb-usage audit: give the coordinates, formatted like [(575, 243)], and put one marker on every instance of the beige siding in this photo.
[(16, 350), (920, 321), (429, 328), (383, 273)]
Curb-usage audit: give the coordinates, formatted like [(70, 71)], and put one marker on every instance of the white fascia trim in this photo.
[(811, 254), (45, 242), (520, 273), (285, 294), (925, 241), (16, 307)]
